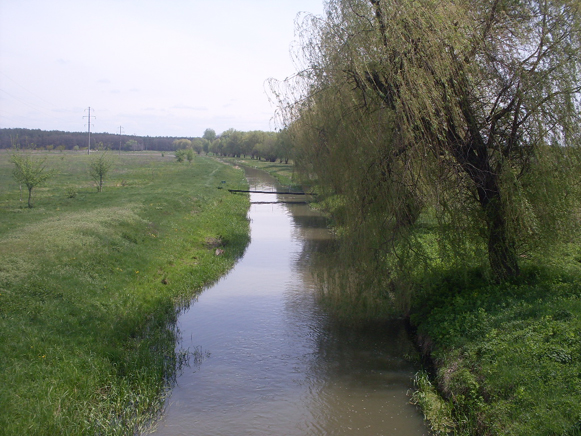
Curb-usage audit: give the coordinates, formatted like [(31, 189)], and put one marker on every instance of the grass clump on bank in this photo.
[(91, 284)]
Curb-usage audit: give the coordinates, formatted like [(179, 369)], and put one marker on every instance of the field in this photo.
[(91, 284)]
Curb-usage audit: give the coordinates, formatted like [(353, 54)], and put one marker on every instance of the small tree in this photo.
[(30, 172), (198, 145), (180, 155), (190, 155), (98, 168)]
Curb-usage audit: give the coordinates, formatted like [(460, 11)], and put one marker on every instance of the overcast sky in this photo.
[(154, 67)]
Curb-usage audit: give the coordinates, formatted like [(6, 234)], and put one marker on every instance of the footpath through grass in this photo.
[(91, 284)]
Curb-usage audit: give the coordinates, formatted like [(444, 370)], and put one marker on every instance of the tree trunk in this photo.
[(469, 149), (474, 159), (501, 245), (30, 198)]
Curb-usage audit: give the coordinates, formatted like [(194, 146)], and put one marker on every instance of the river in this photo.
[(266, 357)]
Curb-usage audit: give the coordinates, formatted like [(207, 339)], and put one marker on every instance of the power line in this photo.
[(120, 133), (36, 96), (89, 125), (30, 105)]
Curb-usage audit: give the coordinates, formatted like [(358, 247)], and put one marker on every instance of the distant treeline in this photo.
[(256, 144), (55, 140)]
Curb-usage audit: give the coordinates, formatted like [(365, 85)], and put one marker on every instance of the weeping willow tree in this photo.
[(464, 111)]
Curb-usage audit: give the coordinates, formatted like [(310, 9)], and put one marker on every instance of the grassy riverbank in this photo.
[(507, 358), (90, 282), (500, 359)]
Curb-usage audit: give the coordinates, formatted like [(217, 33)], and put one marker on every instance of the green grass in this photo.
[(507, 357), (91, 284)]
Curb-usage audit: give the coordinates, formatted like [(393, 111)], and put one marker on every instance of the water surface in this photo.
[(268, 359)]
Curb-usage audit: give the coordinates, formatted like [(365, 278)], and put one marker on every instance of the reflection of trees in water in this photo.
[(352, 318), (311, 228), (370, 346), (348, 275), (351, 354)]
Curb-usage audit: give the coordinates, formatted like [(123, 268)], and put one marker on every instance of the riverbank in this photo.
[(499, 359), (91, 283), (506, 358)]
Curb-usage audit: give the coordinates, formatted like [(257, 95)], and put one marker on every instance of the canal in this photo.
[(267, 358)]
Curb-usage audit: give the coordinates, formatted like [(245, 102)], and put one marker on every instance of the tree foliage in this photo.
[(181, 144), (99, 167), (40, 139), (181, 155), (466, 111), (257, 144), (209, 135), (190, 155), (30, 172)]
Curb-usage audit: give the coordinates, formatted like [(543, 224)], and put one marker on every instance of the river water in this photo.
[(268, 359)]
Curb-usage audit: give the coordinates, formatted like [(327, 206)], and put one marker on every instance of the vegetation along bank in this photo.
[(444, 139), (497, 358), (91, 283)]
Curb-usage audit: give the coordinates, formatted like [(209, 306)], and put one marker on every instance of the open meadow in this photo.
[(91, 283)]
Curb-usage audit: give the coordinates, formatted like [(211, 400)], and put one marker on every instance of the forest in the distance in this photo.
[(53, 139), (256, 144)]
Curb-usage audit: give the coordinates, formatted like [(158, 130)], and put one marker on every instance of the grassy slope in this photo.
[(89, 286)]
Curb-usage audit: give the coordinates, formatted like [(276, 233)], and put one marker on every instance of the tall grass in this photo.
[(90, 286)]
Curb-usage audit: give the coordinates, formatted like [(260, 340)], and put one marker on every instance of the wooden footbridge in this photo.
[(269, 192)]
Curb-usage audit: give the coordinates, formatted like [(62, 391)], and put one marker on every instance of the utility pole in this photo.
[(120, 133), (89, 124)]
